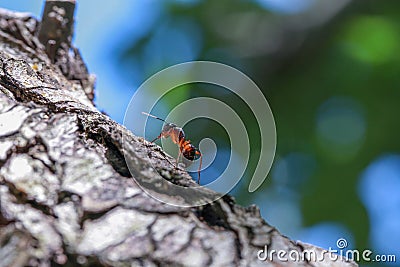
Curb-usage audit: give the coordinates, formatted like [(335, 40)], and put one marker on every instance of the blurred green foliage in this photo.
[(332, 83)]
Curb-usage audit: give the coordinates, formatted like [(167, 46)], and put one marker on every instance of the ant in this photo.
[(177, 135)]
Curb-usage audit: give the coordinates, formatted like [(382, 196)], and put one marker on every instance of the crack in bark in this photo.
[(22, 198), (113, 154)]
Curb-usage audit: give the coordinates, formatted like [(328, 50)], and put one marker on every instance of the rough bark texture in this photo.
[(67, 197)]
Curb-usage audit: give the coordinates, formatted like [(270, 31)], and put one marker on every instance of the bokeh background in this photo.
[(330, 71)]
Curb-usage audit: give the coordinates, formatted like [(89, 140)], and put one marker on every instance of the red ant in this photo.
[(177, 135)]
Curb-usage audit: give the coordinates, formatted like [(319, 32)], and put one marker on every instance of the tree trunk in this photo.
[(67, 196)]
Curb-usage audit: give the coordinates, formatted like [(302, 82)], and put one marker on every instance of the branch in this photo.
[(56, 27)]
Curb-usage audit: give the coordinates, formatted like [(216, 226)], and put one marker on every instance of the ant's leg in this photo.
[(177, 159), (155, 139), (169, 161), (199, 170), (165, 157)]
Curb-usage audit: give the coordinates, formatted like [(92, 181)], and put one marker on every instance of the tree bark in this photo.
[(67, 197)]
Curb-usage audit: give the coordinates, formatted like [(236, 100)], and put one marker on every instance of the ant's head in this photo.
[(168, 126)]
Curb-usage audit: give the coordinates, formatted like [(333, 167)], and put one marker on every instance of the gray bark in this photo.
[(67, 197)]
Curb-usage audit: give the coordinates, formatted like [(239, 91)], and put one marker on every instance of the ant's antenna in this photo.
[(147, 114)]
